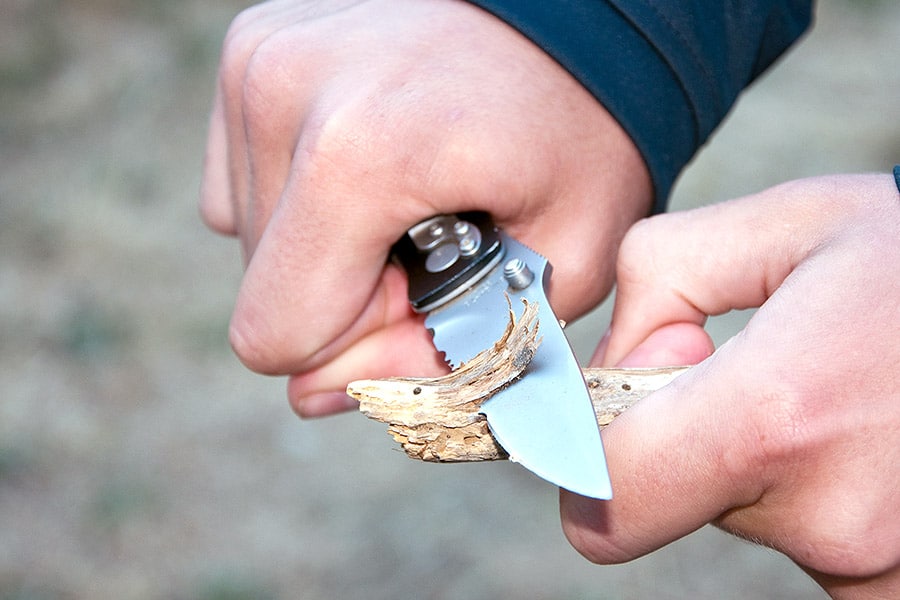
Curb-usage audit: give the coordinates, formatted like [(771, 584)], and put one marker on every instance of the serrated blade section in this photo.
[(472, 322), (545, 420)]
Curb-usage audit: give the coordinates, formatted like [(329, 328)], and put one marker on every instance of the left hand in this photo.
[(789, 435)]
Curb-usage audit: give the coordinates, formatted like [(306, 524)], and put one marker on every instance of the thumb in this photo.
[(674, 459), (670, 345)]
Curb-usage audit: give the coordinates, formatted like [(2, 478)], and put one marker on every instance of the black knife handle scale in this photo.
[(445, 255)]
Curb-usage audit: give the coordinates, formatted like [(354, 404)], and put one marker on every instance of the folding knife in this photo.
[(463, 271)]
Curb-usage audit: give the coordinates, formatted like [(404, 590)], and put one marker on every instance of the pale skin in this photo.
[(336, 126), (334, 131), (789, 435)]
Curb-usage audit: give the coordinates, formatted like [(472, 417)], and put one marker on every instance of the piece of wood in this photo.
[(614, 390), (438, 419)]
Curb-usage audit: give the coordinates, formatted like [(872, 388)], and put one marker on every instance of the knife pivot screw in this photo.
[(517, 274)]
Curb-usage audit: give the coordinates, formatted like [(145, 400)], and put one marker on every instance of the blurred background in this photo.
[(140, 460)]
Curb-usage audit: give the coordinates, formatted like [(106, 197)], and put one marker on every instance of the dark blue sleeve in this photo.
[(667, 71)]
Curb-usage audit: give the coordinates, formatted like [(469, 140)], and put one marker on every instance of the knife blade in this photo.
[(463, 271)]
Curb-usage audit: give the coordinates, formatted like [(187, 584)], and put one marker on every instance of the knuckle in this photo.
[(637, 253), (246, 17), (360, 135), (237, 45), (262, 86), (338, 145), (247, 32)]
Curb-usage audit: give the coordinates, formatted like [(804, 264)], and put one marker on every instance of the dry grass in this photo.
[(139, 460)]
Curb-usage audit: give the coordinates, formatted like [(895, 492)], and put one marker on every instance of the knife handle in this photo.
[(445, 255)]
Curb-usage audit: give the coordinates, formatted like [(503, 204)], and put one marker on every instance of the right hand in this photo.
[(337, 126)]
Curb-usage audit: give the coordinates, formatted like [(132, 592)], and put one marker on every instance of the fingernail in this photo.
[(323, 404)]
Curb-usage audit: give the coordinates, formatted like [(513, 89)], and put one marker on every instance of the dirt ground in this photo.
[(140, 460)]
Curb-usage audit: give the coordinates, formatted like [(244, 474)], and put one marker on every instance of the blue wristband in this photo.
[(897, 176)]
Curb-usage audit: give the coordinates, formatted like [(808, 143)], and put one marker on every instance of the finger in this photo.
[(671, 345), (216, 206), (679, 440), (310, 292), (279, 93), (322, 404), (682, 267), (231, 161), (321, 391), (586, 520)]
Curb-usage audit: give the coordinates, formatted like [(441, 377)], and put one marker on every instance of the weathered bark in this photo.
[(437, 419)]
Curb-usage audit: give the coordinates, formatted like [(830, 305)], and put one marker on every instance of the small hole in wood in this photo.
[(523, 357), (626, 387)]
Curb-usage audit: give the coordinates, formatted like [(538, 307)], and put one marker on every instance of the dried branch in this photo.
[(438, 419)]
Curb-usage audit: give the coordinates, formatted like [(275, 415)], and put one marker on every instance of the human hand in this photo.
[(338, 125), (789, 435)]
